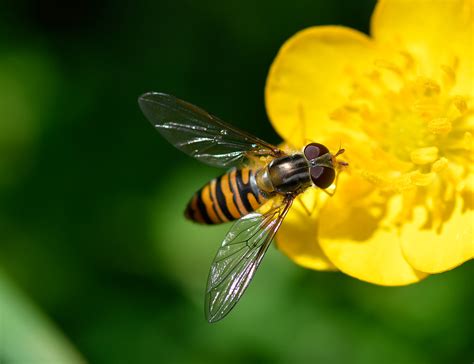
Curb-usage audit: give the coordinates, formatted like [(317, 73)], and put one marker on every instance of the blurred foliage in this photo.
[(91, 199), (26, 336)]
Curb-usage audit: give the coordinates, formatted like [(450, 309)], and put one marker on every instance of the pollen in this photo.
[(420, 128), (440, 126), (402, 103), (460, 103), (439, 165)]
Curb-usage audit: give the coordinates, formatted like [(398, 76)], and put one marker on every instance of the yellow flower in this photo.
[(401, 103)]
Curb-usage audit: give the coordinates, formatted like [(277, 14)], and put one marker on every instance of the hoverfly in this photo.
[(259, 172)]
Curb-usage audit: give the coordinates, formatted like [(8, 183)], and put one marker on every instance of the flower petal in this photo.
[(439, 33), (356, 240), (311, 76), (432, 252), (298, 237)]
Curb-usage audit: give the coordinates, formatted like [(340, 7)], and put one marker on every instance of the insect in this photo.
[(260, 173)]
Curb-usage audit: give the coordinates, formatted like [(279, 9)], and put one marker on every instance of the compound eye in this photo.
[(314, 150), (323, 177)]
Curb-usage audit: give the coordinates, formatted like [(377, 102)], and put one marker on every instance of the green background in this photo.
[(96, 260)]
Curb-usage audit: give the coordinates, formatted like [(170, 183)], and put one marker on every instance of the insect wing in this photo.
[(200, 134), (239, 257)]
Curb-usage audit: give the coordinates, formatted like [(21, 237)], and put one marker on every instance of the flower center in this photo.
[(420, 135)]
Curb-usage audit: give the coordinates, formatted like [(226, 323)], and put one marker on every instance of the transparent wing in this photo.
[(199, 134), (239, 257)]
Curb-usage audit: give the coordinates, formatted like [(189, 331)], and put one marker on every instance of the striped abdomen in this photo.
[(226, 198)]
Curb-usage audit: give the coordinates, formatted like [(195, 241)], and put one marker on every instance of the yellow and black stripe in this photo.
[(226, 198)]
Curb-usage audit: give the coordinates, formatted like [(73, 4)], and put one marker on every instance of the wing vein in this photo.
[(200, 134)]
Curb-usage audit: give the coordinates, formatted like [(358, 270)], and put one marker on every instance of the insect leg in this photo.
[(308, 202), (305, 208)]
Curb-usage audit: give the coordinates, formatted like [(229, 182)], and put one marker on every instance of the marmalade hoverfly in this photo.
[(259, 172)]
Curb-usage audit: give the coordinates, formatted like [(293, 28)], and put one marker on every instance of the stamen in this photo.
[(339, 114), (439, 165), (426, 108), (449, 76), (383, 64), (440, 126), (429, 87), (460, 103), (373, 178), (402, 183), (423, 133), (409, 60), (422, 179), (424, 155)]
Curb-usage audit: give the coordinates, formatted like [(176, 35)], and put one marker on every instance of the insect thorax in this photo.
[(288, 174)]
